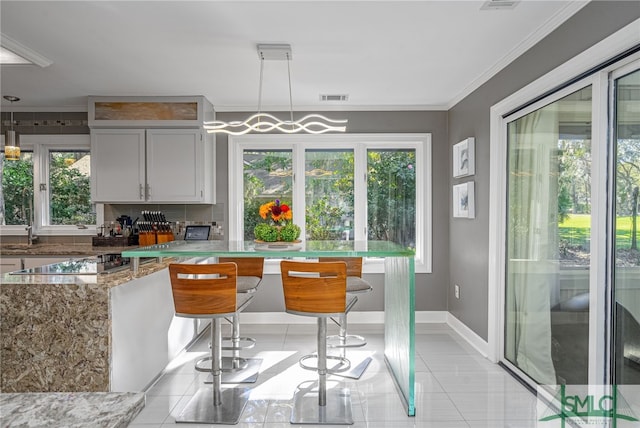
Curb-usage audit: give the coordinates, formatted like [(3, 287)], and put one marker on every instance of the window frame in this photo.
[(41, 146), (360, 143)]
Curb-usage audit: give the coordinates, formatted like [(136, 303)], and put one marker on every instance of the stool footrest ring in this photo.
[(343, 361), (229, 364), (350, 341), (250, 343)]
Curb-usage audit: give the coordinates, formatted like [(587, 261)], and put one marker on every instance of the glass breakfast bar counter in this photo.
[(399, 290)]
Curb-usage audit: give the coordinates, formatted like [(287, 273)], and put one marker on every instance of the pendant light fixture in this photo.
[(11, 138), (264, 122)]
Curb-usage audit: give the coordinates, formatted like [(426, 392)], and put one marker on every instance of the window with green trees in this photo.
[(49, 186), (17, 190), (355, 187)]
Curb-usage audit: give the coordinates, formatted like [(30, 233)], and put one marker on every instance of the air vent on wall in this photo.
[(334, 97), (499, 4)]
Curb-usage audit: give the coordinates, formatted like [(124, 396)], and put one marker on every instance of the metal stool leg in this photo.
[(236, 369), (214, 405), (322, 407), (358, 366)]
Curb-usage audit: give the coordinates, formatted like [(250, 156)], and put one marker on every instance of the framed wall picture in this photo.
[(464, 158), (464, 200)]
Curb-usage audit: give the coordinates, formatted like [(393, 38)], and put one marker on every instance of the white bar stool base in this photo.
[(307, 411), (247, 374), (200, 409)]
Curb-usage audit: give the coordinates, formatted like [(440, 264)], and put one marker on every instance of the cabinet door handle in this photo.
[(148, 191), (141, 192)]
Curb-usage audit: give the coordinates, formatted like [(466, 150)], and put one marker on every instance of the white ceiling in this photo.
[(383, 54)]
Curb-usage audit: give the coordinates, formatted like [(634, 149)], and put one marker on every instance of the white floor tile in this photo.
[(459, 363), (496, 405), (426, 383), (156, 409), (495, 423), (380, 407), (478, 382), (455, 386), (174, 384)]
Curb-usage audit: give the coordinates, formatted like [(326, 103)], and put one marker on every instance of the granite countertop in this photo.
[(70, 409), (109, 280), (18, 250)]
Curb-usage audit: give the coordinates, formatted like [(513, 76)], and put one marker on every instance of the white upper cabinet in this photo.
[(168, 158), (118, 172), (152, 165), (175, 165)]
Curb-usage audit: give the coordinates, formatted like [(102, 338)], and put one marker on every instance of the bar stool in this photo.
[(355, 285), (209, 291), (319, 290), (237, 369)]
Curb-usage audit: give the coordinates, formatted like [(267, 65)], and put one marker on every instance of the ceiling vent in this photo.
[(499, 4), (334, 97)]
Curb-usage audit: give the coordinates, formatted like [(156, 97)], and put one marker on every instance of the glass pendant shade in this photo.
[(11, 145), (11, 137)]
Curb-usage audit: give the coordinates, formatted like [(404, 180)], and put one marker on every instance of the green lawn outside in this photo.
[(575, 230)]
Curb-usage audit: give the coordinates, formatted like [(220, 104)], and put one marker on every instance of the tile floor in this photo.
[(455, 386)]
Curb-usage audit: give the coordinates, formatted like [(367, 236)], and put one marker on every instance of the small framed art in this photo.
[(464, 200), (464, 158)]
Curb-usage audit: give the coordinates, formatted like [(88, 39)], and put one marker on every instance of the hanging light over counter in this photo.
[(11, 137), (263, 122)]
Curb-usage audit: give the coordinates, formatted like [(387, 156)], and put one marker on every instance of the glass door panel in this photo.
[(548, 241), (627, 257)]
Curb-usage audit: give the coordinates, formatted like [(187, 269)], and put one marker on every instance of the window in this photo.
[(391, 206), (340, 187), (267, 176), (329, 191), (49, 187), (17, 190)]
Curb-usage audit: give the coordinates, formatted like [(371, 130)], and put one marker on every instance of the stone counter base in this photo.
[(55, 338)]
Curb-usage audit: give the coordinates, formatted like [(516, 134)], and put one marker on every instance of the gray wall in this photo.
[(430, 288), (469, 240)]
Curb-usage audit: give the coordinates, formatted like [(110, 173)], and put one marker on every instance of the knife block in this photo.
[(155, 237)]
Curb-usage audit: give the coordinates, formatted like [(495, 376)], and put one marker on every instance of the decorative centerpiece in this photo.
[(279, 226)]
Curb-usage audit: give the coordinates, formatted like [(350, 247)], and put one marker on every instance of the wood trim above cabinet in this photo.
[(149, 112)]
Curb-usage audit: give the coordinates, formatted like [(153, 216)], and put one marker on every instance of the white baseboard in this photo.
[(375, 317), (467, 334), (431, 317), (355, 317)]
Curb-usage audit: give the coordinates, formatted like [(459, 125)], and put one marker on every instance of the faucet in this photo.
[(31, 238)]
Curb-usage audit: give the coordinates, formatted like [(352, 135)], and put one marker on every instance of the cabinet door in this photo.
[(118, 165), (175, 165)]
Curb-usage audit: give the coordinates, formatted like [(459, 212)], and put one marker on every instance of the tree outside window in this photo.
[(64, 191)]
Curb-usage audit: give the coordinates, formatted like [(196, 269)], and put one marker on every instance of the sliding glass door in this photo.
[(548, 239), (626, 287), (572, 259)]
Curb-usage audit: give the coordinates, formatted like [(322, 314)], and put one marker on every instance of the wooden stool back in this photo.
[(214, 293), (247, 266), (354, 264), (323, 293)]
